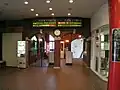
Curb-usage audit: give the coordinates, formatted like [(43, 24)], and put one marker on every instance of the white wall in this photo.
[(9, 48), (100, 18)]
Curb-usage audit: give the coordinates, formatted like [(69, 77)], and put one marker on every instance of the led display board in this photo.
[(44, 23), (69, 23), (57, 23)]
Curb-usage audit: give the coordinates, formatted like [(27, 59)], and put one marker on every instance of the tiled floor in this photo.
[(76, 77)]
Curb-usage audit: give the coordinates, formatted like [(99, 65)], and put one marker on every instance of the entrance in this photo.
[(77, 48)]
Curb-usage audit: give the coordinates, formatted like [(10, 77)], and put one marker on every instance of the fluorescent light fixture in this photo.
[(32, 9), (69, 14), (47, 1), (70, 1), (52, 14), (37, 15), (26, 2), (50, 9)]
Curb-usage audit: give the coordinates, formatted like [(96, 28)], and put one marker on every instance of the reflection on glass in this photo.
[(102, 46), (102, 37)]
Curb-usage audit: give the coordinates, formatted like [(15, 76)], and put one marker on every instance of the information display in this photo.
[(44, 23), (57, 23), (69, 23), (116, 45)]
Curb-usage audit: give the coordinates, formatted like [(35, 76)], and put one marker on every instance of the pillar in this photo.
[(57, 53), (114, 70)]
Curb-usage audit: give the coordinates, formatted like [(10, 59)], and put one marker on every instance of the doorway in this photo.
[(77, 48)]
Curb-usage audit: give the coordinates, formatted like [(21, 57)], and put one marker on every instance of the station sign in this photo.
[(69, 23), (44, 23), (57, 23)]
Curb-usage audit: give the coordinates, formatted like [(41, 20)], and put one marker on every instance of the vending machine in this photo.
[(22, 54)]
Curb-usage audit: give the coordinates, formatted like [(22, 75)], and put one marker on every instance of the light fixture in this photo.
[(47, 1), (70, 1), (26, 2), (37, 15), (40, 40), (50, 9), (67, 41), (61, 41), (52, 14), (80, 36), (32, 9), (69, 14)]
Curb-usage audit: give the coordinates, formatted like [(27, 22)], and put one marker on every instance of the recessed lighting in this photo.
[(70, 1), (69, 14), (26, 2), (52, 14), (50, 9), (32, 9), (37, 14), (47, 1)]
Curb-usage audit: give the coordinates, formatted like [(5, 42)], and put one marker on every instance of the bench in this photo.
[(2, 64)]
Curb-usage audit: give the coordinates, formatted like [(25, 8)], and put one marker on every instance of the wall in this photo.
[(100, 18), (9, 48)]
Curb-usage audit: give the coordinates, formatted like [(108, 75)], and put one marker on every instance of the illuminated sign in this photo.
[(57, 23), (70, 23), (44, 23)]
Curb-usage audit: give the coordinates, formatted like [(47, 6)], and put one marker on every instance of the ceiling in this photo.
[(16, 9)]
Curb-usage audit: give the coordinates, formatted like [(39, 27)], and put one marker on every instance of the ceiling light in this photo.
[(50, 9), (32, 10), (26, 2), (47, 1), (70, 1), (69, 14), (52, 14), (36, 14)]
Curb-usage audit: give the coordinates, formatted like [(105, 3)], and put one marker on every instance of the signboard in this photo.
[(116, 45), (44, 23), (69, 23), (57, 23)]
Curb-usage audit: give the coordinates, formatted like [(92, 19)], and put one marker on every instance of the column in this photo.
[(114, 71), (57, 53)]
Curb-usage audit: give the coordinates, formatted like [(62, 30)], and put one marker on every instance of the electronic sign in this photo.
[(44, 23), (57, 23), (69, 23)]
